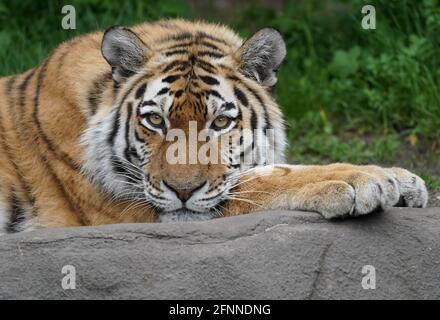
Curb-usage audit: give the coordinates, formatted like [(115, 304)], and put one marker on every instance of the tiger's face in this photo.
[(189, 129), (187, 125)]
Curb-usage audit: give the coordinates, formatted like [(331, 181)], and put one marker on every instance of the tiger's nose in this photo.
[(183, 193)]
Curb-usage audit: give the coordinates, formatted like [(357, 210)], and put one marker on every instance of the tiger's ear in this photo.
[(124, 51), (261, 55)]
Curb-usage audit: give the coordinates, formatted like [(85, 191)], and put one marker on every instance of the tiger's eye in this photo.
[(155, 119), (221, 122)]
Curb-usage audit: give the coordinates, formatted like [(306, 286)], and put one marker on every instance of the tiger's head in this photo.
[(193, 110)]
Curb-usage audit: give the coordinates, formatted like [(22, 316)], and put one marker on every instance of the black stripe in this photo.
[(70, 202), (254, 126), (241, 96), (227, 69), (163, 91), (239, 116), (260, 100), (178, 93), (113, 133), (209, 80), (176, 63), (127, 131), (210, 45), (208, 67), (22, 89), (116, 163), (138, 137), (149, 103), (98, 88), (175, 52), (172, 78), (26, 188), (182, 36), (232, 77), (179, 45), (116, 88), (228, 106), (211, 54), (141, 91), (215, 94), (205, 68), (9, 86), (254, 120), (10, 95), (43, 159), (198, 42), (196, 94), (202, 34), (62, 57), (56, 153), (50, 145), (17, 213), (116, 124)]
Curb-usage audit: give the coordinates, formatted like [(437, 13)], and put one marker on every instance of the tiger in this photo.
[(84, 136)]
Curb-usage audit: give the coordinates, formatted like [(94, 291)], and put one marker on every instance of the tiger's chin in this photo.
[(185, 215)]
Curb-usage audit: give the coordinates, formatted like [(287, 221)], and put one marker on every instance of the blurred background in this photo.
[(361, 96)]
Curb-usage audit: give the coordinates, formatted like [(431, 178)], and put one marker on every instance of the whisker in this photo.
[(250, 191), (137, 185), (243, 182), (129, 170), (245, 200), (125, 161), (134, 206)]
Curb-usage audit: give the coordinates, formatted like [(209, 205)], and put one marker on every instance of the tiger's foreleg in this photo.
[(337, 190)]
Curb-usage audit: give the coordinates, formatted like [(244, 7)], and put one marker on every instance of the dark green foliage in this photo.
[(349, 94)]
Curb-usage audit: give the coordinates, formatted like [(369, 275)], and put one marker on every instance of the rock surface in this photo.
[(276, 255)]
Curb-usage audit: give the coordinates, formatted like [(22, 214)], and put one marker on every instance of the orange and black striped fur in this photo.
[(83, 135)]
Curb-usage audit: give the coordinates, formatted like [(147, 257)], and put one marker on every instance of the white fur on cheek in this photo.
[(99, 153)]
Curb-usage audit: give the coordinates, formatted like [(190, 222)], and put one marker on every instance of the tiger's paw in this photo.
[(413, 192), (367, 190)]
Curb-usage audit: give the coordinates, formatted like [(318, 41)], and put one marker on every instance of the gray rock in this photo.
[(277, 255)]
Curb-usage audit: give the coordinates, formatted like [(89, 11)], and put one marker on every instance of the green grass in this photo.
[(348, 94), (432, 183), (30, 29)]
